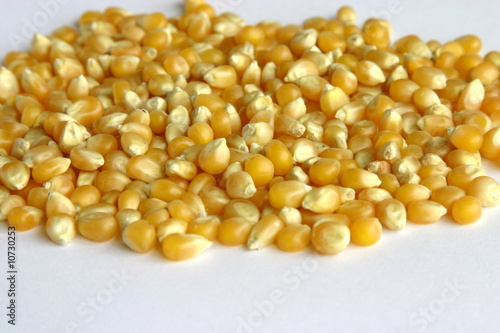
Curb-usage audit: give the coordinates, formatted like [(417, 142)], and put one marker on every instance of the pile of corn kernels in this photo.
[(200, 128)]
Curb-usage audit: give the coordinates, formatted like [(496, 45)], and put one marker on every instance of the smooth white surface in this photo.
[(451, 270)]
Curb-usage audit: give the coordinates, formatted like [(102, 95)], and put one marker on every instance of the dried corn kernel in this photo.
[(200, 127)]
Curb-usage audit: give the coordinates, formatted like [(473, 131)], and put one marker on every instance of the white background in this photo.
[(448, 271)]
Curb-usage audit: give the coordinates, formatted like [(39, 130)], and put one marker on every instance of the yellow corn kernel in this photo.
[(355, 209), (140, 236), (466, 210), (111, 180), (462, 175), (215, 200), (260, 168), (50, 168), (180, 247), (434, 183), (25, 217), (287, 193), (98, 227), (359, 179), (412, 192), (425, 212), (332, 98), (221, 77), (324, 171), (207, 227), (293, 238), (84, 196), (234, 231), (466, 137), (280, 156), (429, 77), (10, 203), (366, 231)]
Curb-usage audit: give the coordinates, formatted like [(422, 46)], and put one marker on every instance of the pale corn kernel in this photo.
[(369, 73), (330, 237), (72, 135), (486, 189), (346, 194), (406, 165), (127, 216), (410, 178), (374, 195), (240, 185), (86, 178), (178, 168), (296, 108), (290, 216), (86, 159), (322, 200), (261, 111), (61, 228), (9, 85), (214, 157), (301, 68), (15, 175), (298, 174), (260, 133), (221, 77), (391, 213), (264, 232), (303, 149), (471, 97), (242, 208), (171, 226), (101, 207)]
